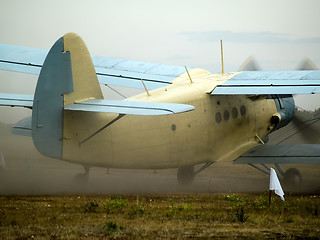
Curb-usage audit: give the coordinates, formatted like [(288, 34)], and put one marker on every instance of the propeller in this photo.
[(250, 64), (307, 124), (307, 64), (304, 125)]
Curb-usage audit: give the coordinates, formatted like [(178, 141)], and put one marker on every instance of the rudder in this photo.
[(85, 81)]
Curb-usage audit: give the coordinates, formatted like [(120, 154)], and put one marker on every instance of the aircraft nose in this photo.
[(285, 110)]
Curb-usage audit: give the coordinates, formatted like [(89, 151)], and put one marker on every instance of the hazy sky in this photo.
[(278, 33)]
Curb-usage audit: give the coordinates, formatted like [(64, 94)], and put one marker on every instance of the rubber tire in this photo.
[(81, 178), (185, 175), (292, 178)]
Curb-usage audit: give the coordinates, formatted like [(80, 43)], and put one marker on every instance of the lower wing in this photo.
[(281, 154)]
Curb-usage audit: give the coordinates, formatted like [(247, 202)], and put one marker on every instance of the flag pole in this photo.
[(270, 192)]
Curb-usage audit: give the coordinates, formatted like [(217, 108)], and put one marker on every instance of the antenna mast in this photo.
[(221, 57), (188, 74)]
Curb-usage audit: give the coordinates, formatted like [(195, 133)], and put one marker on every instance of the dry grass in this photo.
[(159, 217)]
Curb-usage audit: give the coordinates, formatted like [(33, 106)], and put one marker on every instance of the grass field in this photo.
[(169, 216)]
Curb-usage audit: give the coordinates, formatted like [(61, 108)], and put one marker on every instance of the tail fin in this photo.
[(67, 75), (85, 81)]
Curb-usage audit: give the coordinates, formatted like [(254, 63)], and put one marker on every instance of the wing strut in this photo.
[(104, 127), (278, 166), (203, 167)]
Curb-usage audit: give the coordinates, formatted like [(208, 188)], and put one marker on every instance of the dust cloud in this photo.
[(26, 172)]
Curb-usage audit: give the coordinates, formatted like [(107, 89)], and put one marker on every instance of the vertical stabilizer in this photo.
[(67, 75), (85, 81)]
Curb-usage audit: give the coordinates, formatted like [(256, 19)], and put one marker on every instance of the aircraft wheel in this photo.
[(292, 177), (185, 175), (81, 178)]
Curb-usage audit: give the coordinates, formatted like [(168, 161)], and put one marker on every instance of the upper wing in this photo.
[(272, 82), (129, 73), (111, 71), (107, 106), (21, 59), (281, 154)]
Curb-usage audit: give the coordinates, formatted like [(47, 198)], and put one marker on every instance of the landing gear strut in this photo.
[(82, 177), (185, 175), (3, 164)]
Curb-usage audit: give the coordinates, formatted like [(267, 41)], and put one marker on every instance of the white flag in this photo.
[(275, 184)]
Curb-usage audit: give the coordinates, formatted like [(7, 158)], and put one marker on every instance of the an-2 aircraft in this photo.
[(184, 118)]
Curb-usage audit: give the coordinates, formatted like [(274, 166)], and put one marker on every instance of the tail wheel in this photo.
[(185, 175), (292, 177)]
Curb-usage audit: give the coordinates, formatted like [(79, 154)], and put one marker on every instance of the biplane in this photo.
[(185, 117)]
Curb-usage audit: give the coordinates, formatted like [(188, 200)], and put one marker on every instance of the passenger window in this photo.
[(226, 115), (234, 113), (218, 117), (243, 110)]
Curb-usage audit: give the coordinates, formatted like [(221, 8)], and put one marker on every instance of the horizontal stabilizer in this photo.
[(282, 154), (16, 100), (129, 107), (23, 127), (273, 82)]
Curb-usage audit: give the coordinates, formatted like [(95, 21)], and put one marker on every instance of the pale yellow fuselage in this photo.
[(220, 128)]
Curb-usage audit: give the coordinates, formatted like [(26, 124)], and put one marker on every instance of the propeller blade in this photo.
[(307, 64), (306, 126), (250, 64)]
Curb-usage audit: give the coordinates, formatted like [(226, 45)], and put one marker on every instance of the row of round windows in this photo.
[(234, 114)]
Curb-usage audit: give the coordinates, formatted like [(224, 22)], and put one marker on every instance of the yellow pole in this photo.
[(222, 57), (188, 74), (145, 88)]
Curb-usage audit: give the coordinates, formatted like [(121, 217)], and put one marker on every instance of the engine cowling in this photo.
[(285, 110)]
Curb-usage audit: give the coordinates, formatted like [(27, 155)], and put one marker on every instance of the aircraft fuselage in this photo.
[(220, 128)]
